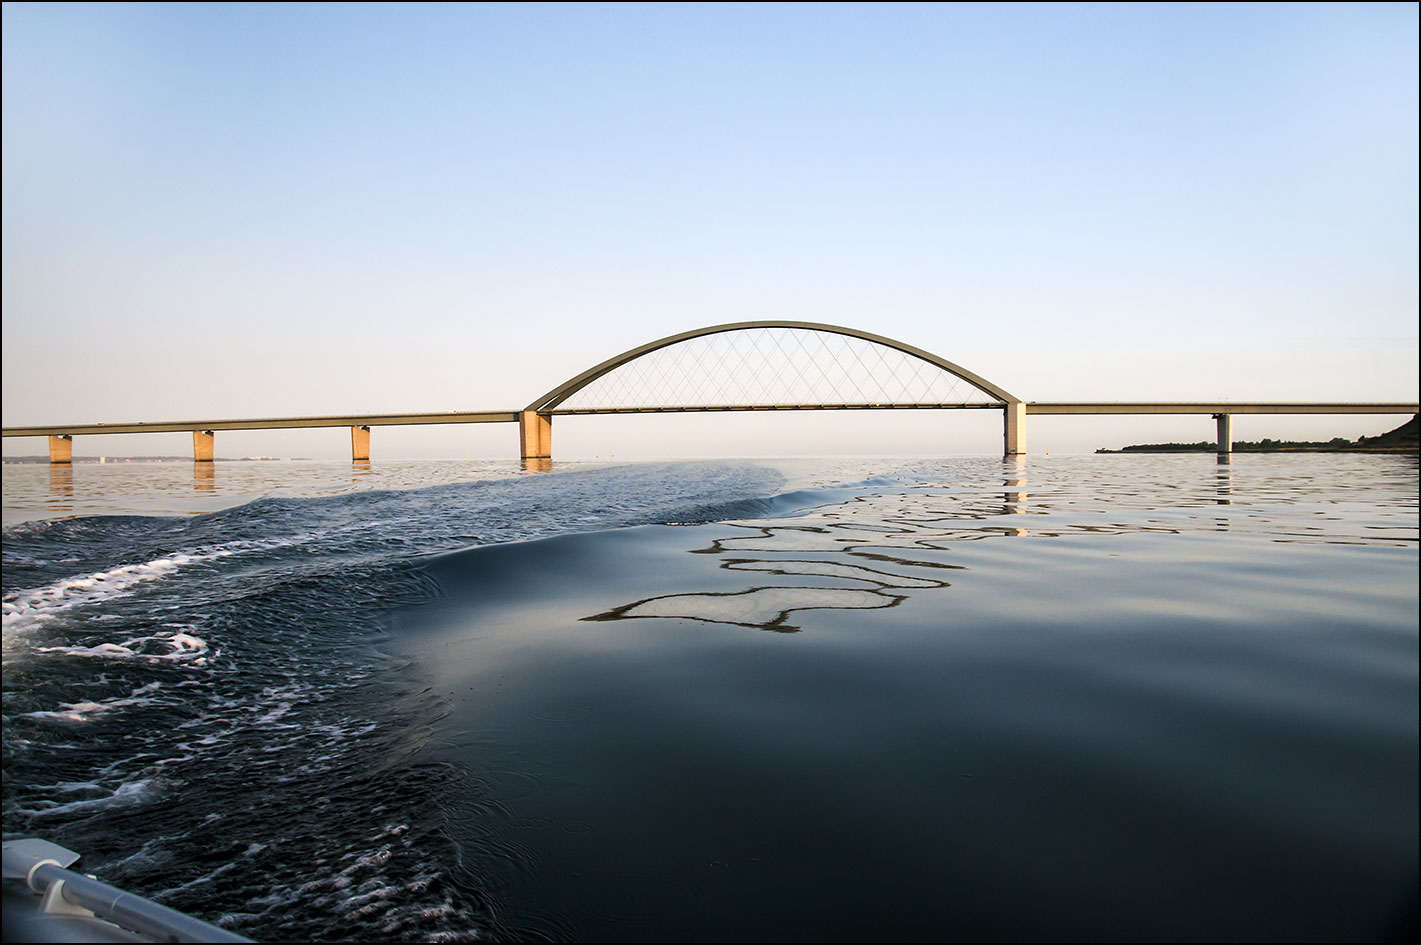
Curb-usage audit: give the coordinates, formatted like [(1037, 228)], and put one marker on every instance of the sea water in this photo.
[(1102, 697)]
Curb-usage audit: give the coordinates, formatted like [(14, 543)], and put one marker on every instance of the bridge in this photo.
[(742, 366)]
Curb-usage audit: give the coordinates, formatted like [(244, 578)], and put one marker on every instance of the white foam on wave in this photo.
[(26, 608), (165, 646), (252, 850), (87, 711), (128, 794), (149, 856)]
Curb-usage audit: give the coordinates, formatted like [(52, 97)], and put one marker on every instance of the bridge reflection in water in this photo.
[(61, 488), (877, 550), (869, 553)]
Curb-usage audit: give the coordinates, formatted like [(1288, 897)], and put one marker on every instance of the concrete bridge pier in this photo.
[(1014, 433), (61, 449), (1225, 432), (359, 444), (535, 433), (202, 446)]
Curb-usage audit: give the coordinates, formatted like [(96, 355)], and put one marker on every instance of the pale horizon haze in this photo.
[(216, 211)]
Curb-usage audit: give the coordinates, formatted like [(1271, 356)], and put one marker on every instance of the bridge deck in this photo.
[(1212, 407), (270, 423), (1042, 408)]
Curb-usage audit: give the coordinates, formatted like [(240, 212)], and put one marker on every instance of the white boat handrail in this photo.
[(43, 867)]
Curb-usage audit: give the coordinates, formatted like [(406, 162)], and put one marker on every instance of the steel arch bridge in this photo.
[(764, 366), (758, 365)]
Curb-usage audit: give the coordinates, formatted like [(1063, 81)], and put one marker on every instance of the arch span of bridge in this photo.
[(535, 420)]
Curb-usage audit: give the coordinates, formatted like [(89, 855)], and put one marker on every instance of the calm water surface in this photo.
[(1104, 697)]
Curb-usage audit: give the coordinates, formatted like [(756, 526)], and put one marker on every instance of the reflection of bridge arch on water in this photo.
[(871, 552), (768, 365)]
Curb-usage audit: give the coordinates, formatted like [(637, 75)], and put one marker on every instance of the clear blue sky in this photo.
[(235, 210)]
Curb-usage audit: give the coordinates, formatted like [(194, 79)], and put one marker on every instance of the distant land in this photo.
[(149, 459), (1401, 440)]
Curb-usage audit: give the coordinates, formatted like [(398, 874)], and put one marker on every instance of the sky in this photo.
[(232, 210)]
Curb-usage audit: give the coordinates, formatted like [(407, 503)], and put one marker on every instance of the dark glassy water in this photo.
[(1074, 698)]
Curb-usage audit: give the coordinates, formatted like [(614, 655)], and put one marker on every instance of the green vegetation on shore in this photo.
[(1401, 440)]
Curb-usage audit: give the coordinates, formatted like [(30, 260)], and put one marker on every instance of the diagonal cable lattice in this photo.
[(774, 367)]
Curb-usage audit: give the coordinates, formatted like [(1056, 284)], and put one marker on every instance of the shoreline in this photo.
[(1254, 449)]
